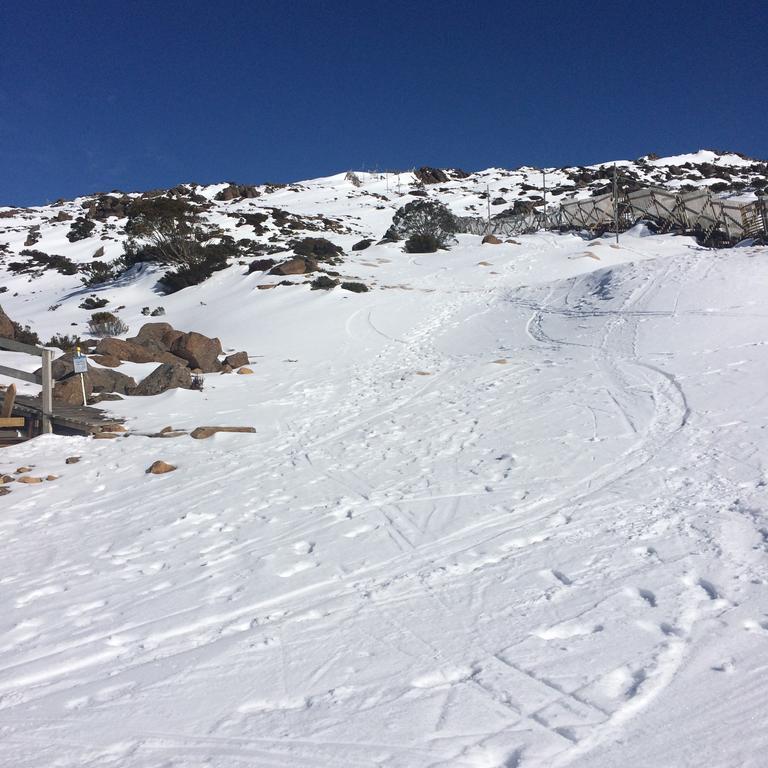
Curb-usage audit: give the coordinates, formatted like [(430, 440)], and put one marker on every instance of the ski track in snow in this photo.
[(520, 525)]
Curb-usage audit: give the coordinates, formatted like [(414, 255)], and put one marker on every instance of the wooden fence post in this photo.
[(47, 395)]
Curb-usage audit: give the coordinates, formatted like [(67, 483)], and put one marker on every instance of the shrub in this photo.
[(106, 324), (323, 283), (423, 217), (37, 260), (210, 260), (92, 302), (25, 335), (317, 248), (102, 272), (355, 287), (81, 229), (423, 244), (65, 342)]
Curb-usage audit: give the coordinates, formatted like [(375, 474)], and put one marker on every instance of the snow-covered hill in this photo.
[(507, 508)]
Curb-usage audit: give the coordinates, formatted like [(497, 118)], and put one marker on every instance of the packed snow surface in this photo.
[(506, 510)]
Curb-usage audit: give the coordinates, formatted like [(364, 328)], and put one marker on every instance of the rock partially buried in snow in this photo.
[(29, 479), (237, 359), (160, 468), (72, 460), (201, 433), (245, 371), (164, 377), (491, 240)]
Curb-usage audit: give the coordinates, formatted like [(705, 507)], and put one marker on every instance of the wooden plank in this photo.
[(16, 374), (11, 421), (6, 410), (17, 346)]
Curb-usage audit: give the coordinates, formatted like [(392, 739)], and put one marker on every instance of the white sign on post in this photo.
[(81, 363)]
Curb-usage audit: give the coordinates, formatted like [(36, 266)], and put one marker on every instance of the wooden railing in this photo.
[(47, 379)]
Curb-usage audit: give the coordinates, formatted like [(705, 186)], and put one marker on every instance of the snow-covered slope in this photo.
[(508, 508)]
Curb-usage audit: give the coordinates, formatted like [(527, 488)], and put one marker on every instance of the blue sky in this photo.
[(133, 95)]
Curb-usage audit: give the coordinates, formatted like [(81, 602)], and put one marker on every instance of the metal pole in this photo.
[(47, 396), (616, 203)]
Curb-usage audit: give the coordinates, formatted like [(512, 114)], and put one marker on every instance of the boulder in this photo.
[(199, 351), (72, 460), (297, 266), (201, 433), (154, 335), (164, 377), (160, 468), (7, 330), (125, 350), (244, 371), (237, 359), (70, 390), (107, 380), (491, 239), (362, 245), (108, 361)]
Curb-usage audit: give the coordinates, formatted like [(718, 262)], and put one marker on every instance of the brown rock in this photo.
[(108, 361), (29, 480), (19, 470), (245, 371), (7, 331), (152, 335), (199, 351), (72, 460), (51, 478), (113, 428), (225, 369), (200, 433), (70, 390), (6, 479), (491, 239), (124, 350), (297, 266), (103, 435), (160, 468), (237, 359), (4, 491)]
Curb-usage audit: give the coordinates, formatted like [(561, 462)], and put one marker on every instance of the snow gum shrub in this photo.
[(25, 335), (80, 229), (106, 324), (167, 231), (425, 219), (422, 244), (65, 342), (207, 259), (102, 272)]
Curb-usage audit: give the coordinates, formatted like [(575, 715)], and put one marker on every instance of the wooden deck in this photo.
[(67, 419)]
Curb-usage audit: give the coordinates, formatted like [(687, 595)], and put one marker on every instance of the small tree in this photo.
[(169, 225), (425, 218), (106, 324)]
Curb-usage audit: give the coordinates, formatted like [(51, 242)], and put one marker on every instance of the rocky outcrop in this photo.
[(128, 351), (164, 377), (234, 191)]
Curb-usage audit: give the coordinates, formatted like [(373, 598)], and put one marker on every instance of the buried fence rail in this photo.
[(46, 377), (696, 211)]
